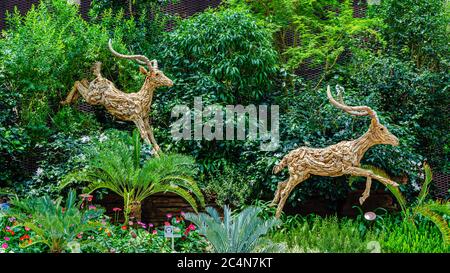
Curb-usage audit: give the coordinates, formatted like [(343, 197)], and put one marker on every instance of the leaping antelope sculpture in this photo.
[(339, 159), (125, 106)]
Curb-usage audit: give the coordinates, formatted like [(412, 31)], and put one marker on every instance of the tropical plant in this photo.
[(405, 236), (330, 234), (432, 210), (118, 167), (238, 233), (54, 224)]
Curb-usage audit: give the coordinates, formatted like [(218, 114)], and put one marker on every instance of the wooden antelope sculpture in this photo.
[(125, 106), (339, 159)]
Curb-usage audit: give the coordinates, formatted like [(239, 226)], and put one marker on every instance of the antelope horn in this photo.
[(353, 110), (138, 58)]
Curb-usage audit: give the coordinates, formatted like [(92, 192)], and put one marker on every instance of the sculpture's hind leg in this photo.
[(78, 87), (141, 127), (280, 187), (293, 181), (149, 131)]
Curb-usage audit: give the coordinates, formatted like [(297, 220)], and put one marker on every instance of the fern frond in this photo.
[(438, 220)]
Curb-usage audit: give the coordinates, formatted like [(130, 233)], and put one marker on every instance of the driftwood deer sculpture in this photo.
[(339, 159), (125, 106)]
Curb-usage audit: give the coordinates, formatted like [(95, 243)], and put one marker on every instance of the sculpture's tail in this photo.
[(280, 166)]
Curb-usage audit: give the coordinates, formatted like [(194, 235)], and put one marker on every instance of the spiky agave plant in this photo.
[(430, 209), (238, 233), (118, 168), (53, 223)]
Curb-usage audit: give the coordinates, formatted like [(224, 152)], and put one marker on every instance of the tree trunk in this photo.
[(135, 211)]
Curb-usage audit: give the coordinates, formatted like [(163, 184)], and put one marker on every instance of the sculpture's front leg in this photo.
[(355, 171), (366, 192), (78, 87)]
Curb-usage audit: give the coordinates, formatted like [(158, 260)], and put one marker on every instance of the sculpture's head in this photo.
[(153, 75), (378, 133)]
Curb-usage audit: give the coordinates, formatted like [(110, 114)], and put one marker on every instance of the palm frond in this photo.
[(426, 184)]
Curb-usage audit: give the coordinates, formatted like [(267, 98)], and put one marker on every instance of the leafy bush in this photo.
[(414, 99), (224, 55), (417, 30), (229, 187), (69, 120), (53, 224)]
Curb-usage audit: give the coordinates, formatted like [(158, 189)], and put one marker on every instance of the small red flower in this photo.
[(117, 209), (24, 237), (166, 223), (191, 227), (124, 227)]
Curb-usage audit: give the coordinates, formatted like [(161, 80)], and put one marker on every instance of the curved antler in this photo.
[(353, 110), (138, 58)]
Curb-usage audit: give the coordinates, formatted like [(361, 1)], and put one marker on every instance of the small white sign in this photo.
[(169, 232)]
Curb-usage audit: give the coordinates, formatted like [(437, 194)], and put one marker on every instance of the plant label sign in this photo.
[(169, 232)]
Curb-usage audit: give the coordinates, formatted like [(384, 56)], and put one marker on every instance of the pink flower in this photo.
[(27, 228), (166, 223), (91, 207), (183, 214), (80, 235), (154, 231), (4, 245), (169, 215), (117, 209), (191, 227), (6, 238), (8, 227), (150, 225), (130, 223)]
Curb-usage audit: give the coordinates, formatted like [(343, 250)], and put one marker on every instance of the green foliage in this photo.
[(417, 30), (322, 30), (53, 223), (43, 51), (404, 236), (239, 233), (117, 167), (230, 187), (69, 120), (330, 235), (414, 99), (225, 55)]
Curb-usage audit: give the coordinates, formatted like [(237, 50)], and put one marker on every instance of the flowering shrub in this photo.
[(139, 237), (14, 238)]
